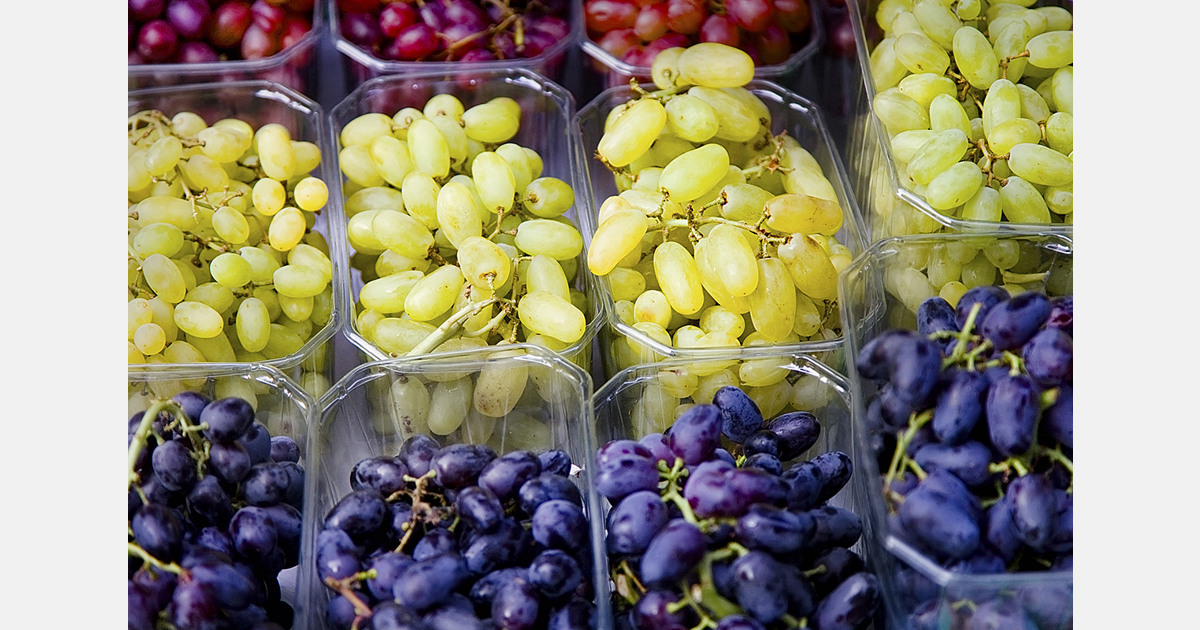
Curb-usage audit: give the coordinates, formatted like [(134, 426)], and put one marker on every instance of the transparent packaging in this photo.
[(365, 415), (280, 404), (622, 345), (646, 399), (546, 112), (613, 72), (892, 206), (871, 303), (360, 65), (259, 103), (295, 67)]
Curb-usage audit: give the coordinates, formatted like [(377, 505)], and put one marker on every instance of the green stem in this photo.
[(450, 326), (143, 431), (170, 567), (914, 424)]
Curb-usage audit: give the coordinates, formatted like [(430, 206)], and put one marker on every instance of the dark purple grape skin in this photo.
[(1012, 408), (459, 465), (999, 532), (740, 415), (229, 461), (774, 530), (759, 586), (740, 622), (1063, 539), (619, 448), (194, 606), (284, 449), (936, 315), (293, 493), (801, 596), (1011, 323), (340, 613), (424, 584), (1049, 357), (156, 584), (508, 544), (515, 606), (254, 534), (173, 465), (143, 609), (233, 588), (227, 418), (1048, 605), (959, 406), (435, 542), (836, 564), (265, 484), (834, 527), (756, 486), (939, 522), (851, 605), (987, 296), (656, 443), (555, 461), (257, 442), (1062, 314), (651, 612), (504, 475), (673, 552), (576, 614), (360, 514), (968, 461), (555, 573), (983, 562), (893, 411), (634, 521), (836, 469), (208, 503), (914, 370), (874, 359), (417, 452), (189, 18), (559, 524), (710, 490), (479, 507), (484, 588), (1001, 613), (545, 487), (451, 618), (158, 530), (382, 474), (624, 475), (192, 403), (762, 442), (1034, 508), (804, 484), (1059, 418), (388, 567), (388, 615), (696, 433), (764, 461)]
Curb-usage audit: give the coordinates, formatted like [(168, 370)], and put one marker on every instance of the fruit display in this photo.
[(460, 210), (226, 264), (455, 489), (972, 105), (722, 521), (965, 407), (176, 41), (721, 220), (216, 488), (625, 36)]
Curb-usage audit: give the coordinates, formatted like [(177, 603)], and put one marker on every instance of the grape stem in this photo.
[(343, 588), (170, 567), (915, 422), (142, 434), (450, 326)]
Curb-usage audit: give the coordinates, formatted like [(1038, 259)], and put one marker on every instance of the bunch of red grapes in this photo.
[(206, 31), (634, 31), (454, 30)]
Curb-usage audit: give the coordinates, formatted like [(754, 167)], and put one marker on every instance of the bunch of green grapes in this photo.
[(460, 240), (224, 264), (722, 234), (976, 99)]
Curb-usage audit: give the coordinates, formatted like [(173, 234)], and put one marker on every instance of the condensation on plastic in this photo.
[(889, 208), (294, 67), (546, 114), (259, 103), (868, 308), (281, 405), (357, 419), (790, 113)]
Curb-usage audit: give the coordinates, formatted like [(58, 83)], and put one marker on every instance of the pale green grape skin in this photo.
[(954, 186), (1040, 164)]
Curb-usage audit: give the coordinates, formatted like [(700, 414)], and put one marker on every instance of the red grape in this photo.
[(358, 6), (146, 10), (536, 43), (301, 6), (415, 42), (607, 15), (267, 17), (795, 16), (395, 17), (257, 43), (477, 54), (751, 15), (773, 44), (554, 26), (651, 22), (619, 41), (229, 22), (196, 52), (294, 29), (360, 29), (635, 56), (685, 16), (720, 29), (467, 13), (157, 41), (189, 18), (841, 38)]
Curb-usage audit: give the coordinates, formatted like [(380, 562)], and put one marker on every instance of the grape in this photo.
[(634, 521), (759, 586), (851, 604), (671, 554), (208, 32)]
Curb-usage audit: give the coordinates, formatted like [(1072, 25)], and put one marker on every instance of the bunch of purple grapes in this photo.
[(457, 537), (214, 516), (735, 533), (972, 425), (454, 30), (207, 31)]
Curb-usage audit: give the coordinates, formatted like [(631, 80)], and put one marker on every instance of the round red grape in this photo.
[(157, 41)]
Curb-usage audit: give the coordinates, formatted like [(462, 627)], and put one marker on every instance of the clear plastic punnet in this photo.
[(280, 405), (879, 156), (303, 348), (507, 399), (546, 112), (882, 291), (295, 67), (623, 343)]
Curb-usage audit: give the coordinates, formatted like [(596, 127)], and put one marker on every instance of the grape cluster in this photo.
[(717, 218), (224, 265), (208, 31), (456, 536), (718, 523), (972, 424), (454, 30), (635, 32), (214, 516), (977, 105), (459, 239)]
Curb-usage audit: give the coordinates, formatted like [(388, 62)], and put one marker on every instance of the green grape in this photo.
[(374, 198), (691, 118), (499, 387), (899, 112), (165, 209), (886, 69), (968, 9), (734, 259), (287, 229), (299, 281), (231, 270), (773, 302), (494, 121), (937, 154), (158, 238), (1059, 199), (386, 295), (715, 65), (1033, 106), (695, 172), (221, 144), (311, 256), (420, 192), (282, 342), (1002, 104), (905, 22), (358, 165), (905, 144), (455, 136), (198, 319), (954, 186), (494, 180), (163, 156), (548, 197), (975, 57), (653, 306), (1022, 203), (262, 264), (717, 318), (617, 236), (908, 285), (183, 352), (632, 132), (740, 113), (545, 274), (919, 53), (1012, 132), (483, 263), (1062, 88), (548, 314), (553, 238), (397, 336), (434, 294), (230, 225), (139, 314), (744, 202), (364, 129), (1057, 18), (429, 151), (274, 145), (408, 402), (942, 267), (216, 349), (1010, 42), (164, 278), (518, 160), (401, 233), (626, 284), (978, 272), (306, 156), (163, 314), (924, 87), (713, 282), (664, 70), (1060, 132), (1051, 50), (1003, 254), (1040, 164), (946, 112), (219, 297), (458, 213), (937, 21), (268, 196), (298, 310), (390, 158), (810, 267)]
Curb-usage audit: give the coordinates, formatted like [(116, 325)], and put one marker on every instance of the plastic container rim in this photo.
[(146, 373)]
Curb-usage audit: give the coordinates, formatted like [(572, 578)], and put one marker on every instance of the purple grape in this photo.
[(359, 514), (234, 586), (229, 462), (804, 484), (797, 432), (485, 588), (459, 465), (959, 406), (576, 614), (673, 552), (284, 449), (762, 442), (835, 564), (388, 615), (254, 535), (189, 18), (434, 543), (257, 442), (1062, 313), (774, 530), (424, 584), (555, 573), (914, 369), (508, 544), (999, 532), (209, 504), (936, 315), (986, 296), (656, 444), (1011, 323), (764, 461), (360, 29), (479, 508), (545, 487), (757, 486), (145, 10), (938, 521), (875, 357), (382, 474), (834, 527), (559, 524), (740, 415), (556, 461), (159, 531), (634, 522), (696, 433), (1002, 613), (652, 612), (197, 52), (506, 474), (227, 419), (265, 484), (983, 562), (851, 605), (1048, 357), (617, 448), (194, 606), (625, 475), (1034, 508), (836, 469), (969, 461), (515, 606), (173, 465), (192, 403), (1012, 409), (417, 452), (1058, 419), (759, 586)]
